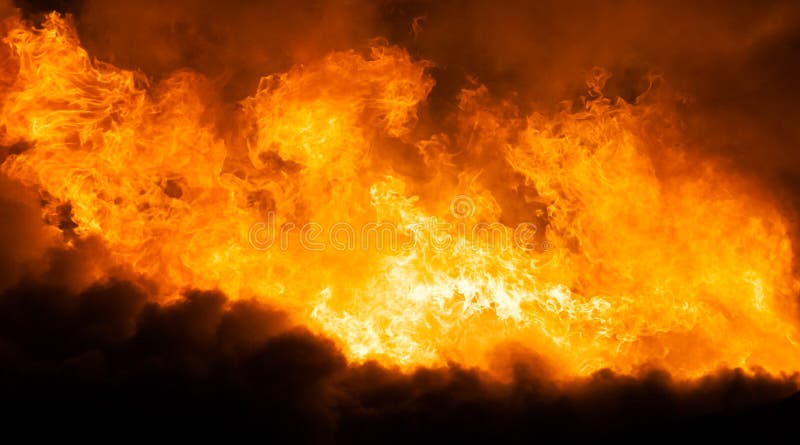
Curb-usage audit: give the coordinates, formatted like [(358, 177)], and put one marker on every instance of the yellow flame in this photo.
[(651, 258)]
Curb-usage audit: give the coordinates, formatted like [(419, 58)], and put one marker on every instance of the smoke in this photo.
[(85, 348), (234, 43)]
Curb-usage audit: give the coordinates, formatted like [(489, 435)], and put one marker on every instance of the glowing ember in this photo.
[(589, 236)]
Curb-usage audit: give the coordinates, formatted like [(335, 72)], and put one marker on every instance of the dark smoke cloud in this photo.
[(233, 42), (82, 354), (23, 235)]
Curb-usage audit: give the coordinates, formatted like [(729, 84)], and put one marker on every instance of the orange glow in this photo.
[(648, 258)]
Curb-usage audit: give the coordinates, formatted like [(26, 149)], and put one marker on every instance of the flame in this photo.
[(635, 254)]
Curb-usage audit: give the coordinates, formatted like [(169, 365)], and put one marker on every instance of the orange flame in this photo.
[(649, 257)]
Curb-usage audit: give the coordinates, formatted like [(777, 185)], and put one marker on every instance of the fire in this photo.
[(634, 253)]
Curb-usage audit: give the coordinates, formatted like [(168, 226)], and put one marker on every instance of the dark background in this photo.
[(108, 362)]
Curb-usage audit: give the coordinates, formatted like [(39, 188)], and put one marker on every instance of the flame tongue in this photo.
[(645, 261)]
